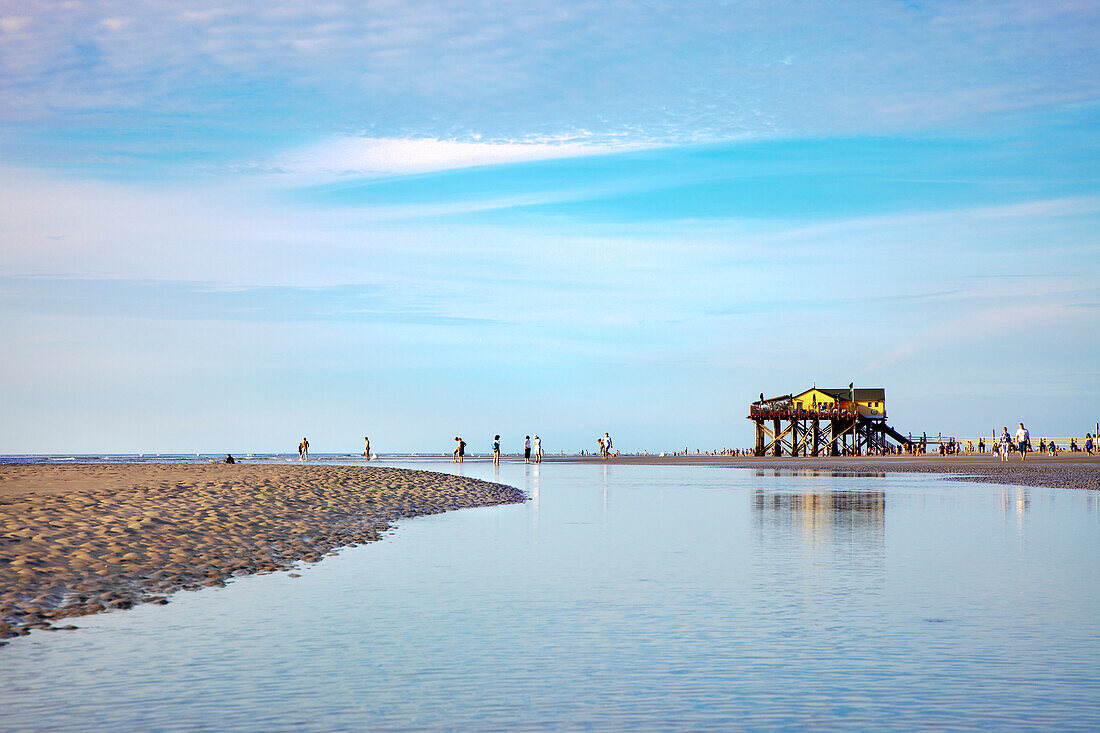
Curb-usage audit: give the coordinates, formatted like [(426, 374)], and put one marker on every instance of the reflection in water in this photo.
[(1015, 500), (816, 473), (531, 486), (833, 537), (835, 512)]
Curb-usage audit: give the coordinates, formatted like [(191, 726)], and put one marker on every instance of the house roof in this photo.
[(871, 394)]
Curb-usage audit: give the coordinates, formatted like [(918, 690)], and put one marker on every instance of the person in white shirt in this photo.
[(1023, 438), (538, 449)]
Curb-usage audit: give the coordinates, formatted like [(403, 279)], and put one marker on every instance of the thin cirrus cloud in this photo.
[(379, 157)]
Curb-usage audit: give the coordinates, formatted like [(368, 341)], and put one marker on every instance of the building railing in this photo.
[(789, 412)]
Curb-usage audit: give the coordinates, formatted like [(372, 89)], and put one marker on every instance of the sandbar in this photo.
[(79, 539), (1065, 471)]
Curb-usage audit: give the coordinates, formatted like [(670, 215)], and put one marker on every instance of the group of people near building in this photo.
[(1003, 446)]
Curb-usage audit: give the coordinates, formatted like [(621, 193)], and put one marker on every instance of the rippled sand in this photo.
[(82, 539)]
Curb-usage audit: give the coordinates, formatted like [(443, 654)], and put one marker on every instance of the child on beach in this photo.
[(1002, 445), (366, 447), (496, 450)]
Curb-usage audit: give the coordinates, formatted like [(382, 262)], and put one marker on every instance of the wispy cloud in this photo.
[(366, 156)]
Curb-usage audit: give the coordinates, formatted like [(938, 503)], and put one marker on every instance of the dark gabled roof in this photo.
[(872, 394)]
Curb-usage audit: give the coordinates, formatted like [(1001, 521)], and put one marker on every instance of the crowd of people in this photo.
[(1002, 446)]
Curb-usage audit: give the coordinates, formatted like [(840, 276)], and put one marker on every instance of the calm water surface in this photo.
[(624, 597)]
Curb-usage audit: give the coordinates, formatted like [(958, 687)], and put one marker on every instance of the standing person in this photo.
[(527, 449), (1088, 443), (1023, 441), (538, 449), (496, 450), (460, 451), (1003, 444), (366, 447), (303, 450), (606, 445)]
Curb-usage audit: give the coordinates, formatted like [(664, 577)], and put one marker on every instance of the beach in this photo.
[(80, 539), (1074, 471), (84, 538)]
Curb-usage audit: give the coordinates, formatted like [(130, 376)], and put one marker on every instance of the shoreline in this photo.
[(85, 538), (1076, 471)]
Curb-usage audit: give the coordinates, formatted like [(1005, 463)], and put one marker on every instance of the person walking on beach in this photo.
[(607, 445), (527, 449), (303, 450), (1023, 441), (460, 451), (496, 450), (1003, 444), (366, 447), (538, 449)]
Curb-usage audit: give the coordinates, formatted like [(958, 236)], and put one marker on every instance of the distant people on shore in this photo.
[(460, 451), (1023, 441), (303, 450), (527, 449), (496, 450)]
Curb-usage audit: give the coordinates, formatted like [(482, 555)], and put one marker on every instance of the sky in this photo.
[(228, 225)]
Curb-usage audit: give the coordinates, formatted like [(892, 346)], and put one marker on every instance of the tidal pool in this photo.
[(624, 597)]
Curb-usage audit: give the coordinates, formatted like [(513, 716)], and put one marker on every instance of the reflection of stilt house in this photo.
[(825, 422)]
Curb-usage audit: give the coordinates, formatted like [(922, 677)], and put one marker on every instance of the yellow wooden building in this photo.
[(825, 421), (869, 402)]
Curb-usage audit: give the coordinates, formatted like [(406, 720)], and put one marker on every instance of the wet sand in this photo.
[(1065, 471), (82, 539)]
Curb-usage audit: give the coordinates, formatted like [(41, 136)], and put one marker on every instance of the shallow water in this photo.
[(624, 597)]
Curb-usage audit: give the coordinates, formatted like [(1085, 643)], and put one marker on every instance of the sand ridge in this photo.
[(1065, 471), (79, 539)]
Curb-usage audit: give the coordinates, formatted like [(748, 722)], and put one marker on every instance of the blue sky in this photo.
[(225, 226)]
